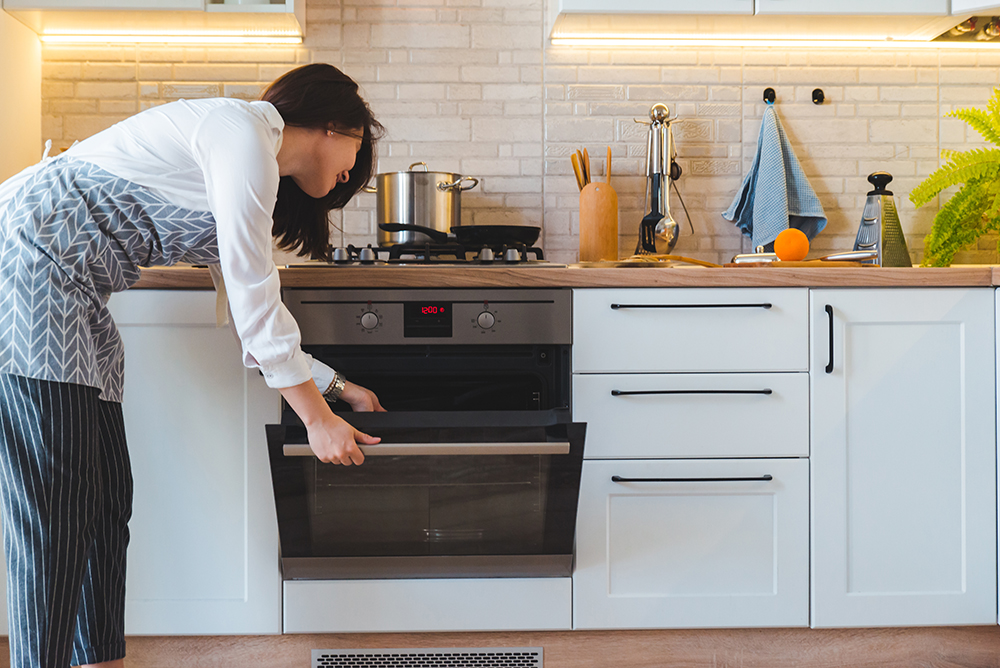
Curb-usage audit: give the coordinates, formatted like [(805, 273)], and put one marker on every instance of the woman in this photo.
[(205, 181)]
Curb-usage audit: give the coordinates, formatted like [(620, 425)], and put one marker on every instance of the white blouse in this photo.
[(220, 155)]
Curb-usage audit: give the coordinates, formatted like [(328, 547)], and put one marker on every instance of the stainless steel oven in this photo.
[(478, 471)]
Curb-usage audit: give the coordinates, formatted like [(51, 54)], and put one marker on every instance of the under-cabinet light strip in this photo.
[(171, 39), (622, 41)]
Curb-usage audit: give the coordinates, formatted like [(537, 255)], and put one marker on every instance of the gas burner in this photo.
[(434, 254)]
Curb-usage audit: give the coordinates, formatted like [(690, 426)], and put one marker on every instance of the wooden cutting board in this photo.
[(802, 263)]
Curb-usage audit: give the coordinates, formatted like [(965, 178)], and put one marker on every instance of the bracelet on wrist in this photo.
[(336, 387)]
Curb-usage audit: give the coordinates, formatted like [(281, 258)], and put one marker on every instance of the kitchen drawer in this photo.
[(693, 415), (686, 546), (690, 329)]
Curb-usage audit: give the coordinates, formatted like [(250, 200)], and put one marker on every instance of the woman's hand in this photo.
[(335, 441), (360, 398), (330, 437)]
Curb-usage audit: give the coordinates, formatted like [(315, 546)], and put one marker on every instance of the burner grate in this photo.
[(460, 657)]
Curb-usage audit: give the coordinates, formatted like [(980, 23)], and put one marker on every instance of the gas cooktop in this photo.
[(450, 254)]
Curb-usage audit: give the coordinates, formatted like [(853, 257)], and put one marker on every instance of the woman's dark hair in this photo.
[(319, 96)]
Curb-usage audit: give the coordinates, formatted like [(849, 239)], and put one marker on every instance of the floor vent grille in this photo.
[(461, 657)]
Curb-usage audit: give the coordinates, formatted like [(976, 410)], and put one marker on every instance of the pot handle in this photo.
[(370, 189), (410, 168), (457, 184)]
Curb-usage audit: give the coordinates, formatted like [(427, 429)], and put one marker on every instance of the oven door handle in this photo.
[(415, 449)]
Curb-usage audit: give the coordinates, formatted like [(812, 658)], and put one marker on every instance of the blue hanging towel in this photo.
[(775, 194)]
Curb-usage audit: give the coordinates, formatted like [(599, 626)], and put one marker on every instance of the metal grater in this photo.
[(880, 229), (894, 251), (453, 657)]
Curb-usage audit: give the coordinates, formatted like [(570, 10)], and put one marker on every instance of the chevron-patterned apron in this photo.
[(71, 235)]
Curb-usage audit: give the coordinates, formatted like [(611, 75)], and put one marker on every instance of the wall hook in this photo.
[(818, 96), (769, 95)]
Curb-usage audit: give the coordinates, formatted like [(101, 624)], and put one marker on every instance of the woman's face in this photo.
[(332, 156)]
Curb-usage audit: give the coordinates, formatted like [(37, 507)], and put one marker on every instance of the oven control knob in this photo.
[(486, 320), (367, 254), (512, 255), (369, 320), (341, 255), (486, 255)]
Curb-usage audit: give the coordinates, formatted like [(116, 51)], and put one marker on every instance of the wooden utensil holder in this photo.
[(598, 223)]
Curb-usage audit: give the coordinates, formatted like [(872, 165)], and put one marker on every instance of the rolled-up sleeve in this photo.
[(236, 152)]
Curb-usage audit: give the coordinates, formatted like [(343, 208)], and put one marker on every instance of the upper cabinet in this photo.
[(856, 7), (883, 7), (784, 7), (105, 4), (146, 18), (658, 6), (974, 6), (742, 20)]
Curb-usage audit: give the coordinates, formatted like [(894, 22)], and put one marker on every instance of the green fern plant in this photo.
[(975, 209)]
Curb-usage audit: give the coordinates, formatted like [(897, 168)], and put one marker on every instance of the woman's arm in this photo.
[(330, 436)]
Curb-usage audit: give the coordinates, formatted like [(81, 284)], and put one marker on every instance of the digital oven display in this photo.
[(427, 319)]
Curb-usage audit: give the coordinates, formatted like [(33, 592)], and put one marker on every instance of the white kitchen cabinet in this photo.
[(657, 6), (674, 385), (203, 558), (692, 543), (690, 330), (903, 457), (979, 7), (657, 415), (157, 5), (151, 17), (886, 7), (781, 7)]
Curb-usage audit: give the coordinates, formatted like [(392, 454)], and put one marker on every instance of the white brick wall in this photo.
[(470, 86)]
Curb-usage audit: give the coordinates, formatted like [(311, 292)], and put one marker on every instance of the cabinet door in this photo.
[(932, 7), (204, 551), (903, 457), (967, 6), (680, 544), (105, 4), (656, 6)]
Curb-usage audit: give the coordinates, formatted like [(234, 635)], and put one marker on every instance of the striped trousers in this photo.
[(66, 494)]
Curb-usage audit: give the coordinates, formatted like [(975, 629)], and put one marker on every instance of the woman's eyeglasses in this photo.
[(346, 134)]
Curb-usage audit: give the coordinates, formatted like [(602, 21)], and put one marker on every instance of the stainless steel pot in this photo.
[(423, 198)]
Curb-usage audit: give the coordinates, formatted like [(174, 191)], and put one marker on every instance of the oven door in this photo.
[(444, 495)]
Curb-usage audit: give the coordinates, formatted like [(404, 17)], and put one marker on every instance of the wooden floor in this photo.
[(972, 647)]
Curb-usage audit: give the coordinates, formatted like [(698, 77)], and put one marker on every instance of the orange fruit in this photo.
[(791, 245)]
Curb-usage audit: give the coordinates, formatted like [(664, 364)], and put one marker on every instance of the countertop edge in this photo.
[(191, 278)]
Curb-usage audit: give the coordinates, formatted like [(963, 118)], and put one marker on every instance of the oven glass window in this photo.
[(429, 505)]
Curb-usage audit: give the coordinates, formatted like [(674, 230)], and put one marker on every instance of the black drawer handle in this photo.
[(829, 364), (626, 393), (618, 307), (764, 478)]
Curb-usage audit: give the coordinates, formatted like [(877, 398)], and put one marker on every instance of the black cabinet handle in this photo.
[(764, 478), (625, 393), (829, 365), (619, 307)]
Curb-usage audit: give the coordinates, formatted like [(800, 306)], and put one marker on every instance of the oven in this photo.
[(478, 471)]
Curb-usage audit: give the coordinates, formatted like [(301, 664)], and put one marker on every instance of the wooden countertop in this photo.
[(189, 278)]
